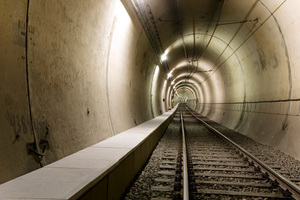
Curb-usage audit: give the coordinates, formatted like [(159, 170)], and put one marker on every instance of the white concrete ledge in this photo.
[(102, 170)]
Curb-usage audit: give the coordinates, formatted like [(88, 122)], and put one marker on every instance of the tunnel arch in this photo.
[(88, 71)]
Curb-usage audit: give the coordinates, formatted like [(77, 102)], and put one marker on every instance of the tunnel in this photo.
[(74, 73)]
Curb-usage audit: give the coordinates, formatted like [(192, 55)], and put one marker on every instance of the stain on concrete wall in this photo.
[(64, 59)]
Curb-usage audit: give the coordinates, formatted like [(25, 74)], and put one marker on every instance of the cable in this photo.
[(210, 39), (244, 41), (238, 30)]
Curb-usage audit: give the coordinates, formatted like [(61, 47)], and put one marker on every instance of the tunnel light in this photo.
[(134, 5), (163, 57), (170, 75), (172, 83)]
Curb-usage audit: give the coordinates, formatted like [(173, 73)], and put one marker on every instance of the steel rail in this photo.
[(283, 182), (185, 167)]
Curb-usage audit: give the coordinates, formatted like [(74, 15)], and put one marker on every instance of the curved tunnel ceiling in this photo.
[(237, 57), (207, 40), (94, 69)]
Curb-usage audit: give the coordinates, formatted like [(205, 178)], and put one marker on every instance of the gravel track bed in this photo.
[(263, 152), (163, 156), (146, 186), (200, 139)]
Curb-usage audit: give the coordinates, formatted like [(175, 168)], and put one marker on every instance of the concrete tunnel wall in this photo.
[(248, 76), (261, 78), (73, 74), (82, 69)]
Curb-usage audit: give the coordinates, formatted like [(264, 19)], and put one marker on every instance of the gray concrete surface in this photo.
[(78, 58), (74, 74), (109, 166)]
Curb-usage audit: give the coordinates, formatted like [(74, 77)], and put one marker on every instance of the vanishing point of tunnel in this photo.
[(74, 73)]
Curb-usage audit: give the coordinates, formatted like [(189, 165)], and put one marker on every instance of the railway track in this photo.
[(221, 169), (195, 161)]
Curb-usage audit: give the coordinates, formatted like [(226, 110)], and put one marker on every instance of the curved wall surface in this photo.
[(73, 74), (247, 69), (261, 76)]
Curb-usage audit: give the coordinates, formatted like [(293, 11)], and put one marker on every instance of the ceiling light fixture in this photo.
[(163, 57)]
